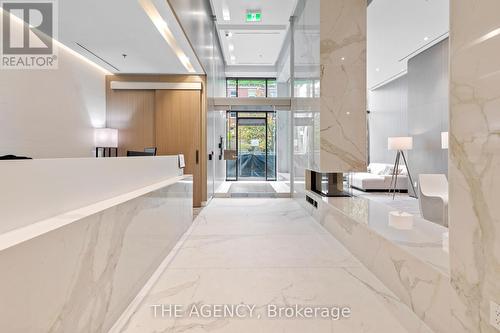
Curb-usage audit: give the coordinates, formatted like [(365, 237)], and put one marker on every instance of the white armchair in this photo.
[(433, 198)]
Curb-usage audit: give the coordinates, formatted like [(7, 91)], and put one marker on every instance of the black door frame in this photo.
[(265, 118)]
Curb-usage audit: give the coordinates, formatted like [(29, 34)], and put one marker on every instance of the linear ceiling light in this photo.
[(166, 33), (61, 45)]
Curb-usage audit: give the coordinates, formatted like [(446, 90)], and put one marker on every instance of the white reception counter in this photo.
[(80, 237)]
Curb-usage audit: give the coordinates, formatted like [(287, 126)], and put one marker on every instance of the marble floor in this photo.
[(253, 189), (264, 254)]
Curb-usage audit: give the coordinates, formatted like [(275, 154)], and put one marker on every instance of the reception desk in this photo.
[(79, 238)]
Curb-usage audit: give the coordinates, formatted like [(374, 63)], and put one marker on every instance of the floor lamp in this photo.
[(400, 144)]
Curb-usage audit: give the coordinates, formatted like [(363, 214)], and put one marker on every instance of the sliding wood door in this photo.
[(178, 123)]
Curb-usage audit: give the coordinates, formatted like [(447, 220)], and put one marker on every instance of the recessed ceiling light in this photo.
[(343, 58), (233, 58), (426, 38), (166, 33), (377, 69), (231, 47), (226, 15)]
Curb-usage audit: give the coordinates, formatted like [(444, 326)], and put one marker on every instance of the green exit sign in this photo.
[(254, 16)]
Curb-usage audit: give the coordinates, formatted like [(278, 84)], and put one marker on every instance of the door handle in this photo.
[(197, 156)]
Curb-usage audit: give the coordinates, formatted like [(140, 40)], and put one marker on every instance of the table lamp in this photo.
[(106, 138)]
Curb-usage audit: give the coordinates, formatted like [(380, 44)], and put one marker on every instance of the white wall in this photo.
[(428, 108), (415, 104), (51, 113), (388, 107)]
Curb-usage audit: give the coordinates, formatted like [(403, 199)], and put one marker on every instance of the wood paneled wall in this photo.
[(172, 120), (178, 128)]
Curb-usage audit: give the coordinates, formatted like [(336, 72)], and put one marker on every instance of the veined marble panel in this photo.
[(81, 277), (474, 174), (329, 104), (343, 129), (411, 263)]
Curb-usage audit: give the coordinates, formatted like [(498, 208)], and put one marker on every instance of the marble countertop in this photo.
[(16, 236), (425, 240)]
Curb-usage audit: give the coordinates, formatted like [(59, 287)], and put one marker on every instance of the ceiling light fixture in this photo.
[(226, 15), (377, 69), (231, 47), (229, 34), (426, 38), (166, 33)]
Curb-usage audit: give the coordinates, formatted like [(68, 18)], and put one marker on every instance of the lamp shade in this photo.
[(400, 143), (106, 137), (444, 140)]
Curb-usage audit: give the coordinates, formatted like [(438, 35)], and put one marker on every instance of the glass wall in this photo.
[(308, 88), (231, 88), (271, 146), (231, 146), (243, 87)]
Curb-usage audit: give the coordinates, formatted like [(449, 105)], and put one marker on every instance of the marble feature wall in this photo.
[(343, 121), (411, 263), (81, 277), (329, 104), (474, 163)]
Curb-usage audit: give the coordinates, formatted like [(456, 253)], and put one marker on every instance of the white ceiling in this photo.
[(114, 27), (255, 43), (397, 30)]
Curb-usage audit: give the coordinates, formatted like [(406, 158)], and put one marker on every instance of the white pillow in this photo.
[(388, 170), (377, 168)]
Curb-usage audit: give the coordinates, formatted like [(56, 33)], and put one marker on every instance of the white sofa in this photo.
[(378, 178)]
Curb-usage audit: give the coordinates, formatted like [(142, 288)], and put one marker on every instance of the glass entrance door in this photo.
[(252, 148), (252, 134)]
